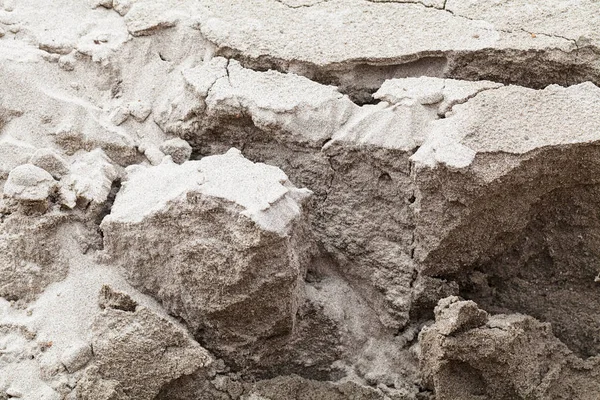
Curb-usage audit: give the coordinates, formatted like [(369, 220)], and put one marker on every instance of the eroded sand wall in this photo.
[(297, 199)]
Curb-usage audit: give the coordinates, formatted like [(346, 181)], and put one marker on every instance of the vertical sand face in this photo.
[(297, 199)]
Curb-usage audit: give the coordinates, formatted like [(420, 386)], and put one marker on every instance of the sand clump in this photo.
[(239, 239)]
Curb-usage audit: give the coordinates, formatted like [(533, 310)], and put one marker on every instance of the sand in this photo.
[(294, 199)]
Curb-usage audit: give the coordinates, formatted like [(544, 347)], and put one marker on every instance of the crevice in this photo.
[(409, 2), (301, 5), (106, 209), (413, 280), (364, 99), (535, 69), (359, 79), (534, 34), (110, 200), (467, 99), (331, 179), (412, 200), (212, 85)]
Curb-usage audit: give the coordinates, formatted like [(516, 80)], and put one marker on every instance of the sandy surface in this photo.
[(298, 199)]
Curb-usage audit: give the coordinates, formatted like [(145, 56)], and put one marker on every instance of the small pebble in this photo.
[(178, 149)]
